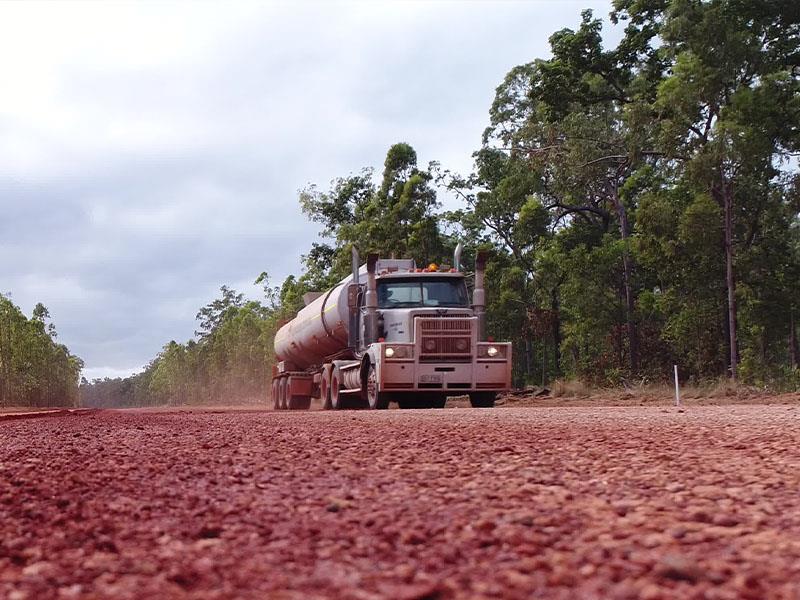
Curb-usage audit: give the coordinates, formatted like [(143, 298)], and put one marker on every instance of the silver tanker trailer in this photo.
[(391, 332)]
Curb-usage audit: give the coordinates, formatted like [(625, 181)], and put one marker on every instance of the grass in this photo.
[(643, 392)]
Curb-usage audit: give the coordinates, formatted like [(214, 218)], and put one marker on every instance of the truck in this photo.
[(391, 332)]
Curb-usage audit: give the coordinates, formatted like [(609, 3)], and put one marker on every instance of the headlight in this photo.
[(430, 345), (398, 351), (492, 351), (462, 344)]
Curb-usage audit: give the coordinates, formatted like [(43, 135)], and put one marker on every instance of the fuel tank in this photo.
[(318, 331)]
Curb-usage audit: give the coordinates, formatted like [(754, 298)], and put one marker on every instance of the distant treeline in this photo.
[(35, 370), (641, 205), (228, 362)]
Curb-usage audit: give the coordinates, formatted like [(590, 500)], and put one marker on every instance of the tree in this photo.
[(34, 369), (728, 107), (396, 218)]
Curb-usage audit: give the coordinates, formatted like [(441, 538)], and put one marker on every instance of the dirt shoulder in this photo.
[(536, 398), (27, 412)]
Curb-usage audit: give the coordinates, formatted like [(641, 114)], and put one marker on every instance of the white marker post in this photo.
[(677, 388)]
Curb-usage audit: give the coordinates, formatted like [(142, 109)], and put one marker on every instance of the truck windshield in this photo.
[(422, 291)]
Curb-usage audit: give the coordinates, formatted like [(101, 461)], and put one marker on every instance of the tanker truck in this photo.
[(391, 332)]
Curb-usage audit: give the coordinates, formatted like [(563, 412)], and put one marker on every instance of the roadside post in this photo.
[(677, 387)]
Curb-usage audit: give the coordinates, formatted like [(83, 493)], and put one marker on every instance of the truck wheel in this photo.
[(276, 404), (325, 389), (337, 399), (482, 399), (375, 400), (282, 391)]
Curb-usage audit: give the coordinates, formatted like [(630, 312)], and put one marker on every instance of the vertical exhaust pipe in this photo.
[(457, 257), (479, 294), (371, 302), (352, 302)]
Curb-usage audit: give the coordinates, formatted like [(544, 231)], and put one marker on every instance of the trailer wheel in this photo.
[(282, 391), (482, 399), (325, 389), (337, 400), (375, 400), (276, 401)]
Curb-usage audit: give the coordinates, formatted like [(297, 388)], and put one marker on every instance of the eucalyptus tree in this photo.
[(34, 369), (398, 217), (577, 123), (728, 107)]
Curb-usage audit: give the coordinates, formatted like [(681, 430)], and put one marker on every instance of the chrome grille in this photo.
[(440, 339)]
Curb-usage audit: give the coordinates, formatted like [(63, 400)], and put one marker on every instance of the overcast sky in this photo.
[(151, 152)]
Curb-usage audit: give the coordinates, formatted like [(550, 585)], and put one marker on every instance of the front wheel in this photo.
[(482, 399), (376, 400)]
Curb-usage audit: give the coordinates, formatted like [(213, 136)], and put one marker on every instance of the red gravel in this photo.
[(517, 503)]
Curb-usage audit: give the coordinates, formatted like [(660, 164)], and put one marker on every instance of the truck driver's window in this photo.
[(409, 293)]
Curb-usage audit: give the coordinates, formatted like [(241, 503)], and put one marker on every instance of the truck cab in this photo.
[(428, 344)]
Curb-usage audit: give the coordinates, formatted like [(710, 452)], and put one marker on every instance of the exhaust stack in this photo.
[(371, 302), (457, 257), (479, 294), (352, 302)]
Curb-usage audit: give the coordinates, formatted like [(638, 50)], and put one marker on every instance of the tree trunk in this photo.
[(793, 350), (726, 333), (528, 359), (544, 361), (627, 276), (730, 281), (556, 324)]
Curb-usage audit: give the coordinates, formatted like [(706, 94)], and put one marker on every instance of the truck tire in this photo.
[(325, 388), (282, 393), (276, 404), (375, 400), (337, 398), (482, 399)]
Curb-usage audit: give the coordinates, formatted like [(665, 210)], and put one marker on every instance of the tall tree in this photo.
[(729, 105)]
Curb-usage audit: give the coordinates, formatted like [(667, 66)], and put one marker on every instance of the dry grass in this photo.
[(578, 393), (570, 388)]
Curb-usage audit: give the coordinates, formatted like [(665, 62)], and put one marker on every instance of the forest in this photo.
[(35, 370), (640, 203)]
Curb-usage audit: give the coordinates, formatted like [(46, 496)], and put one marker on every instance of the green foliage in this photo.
[(396, 217), (35, 370)]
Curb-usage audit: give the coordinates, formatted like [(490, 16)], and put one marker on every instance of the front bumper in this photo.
[(480, 374)]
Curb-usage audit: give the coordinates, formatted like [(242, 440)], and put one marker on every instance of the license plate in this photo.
[(435, 378)]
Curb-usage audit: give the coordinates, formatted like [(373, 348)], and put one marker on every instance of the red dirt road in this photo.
[(510, 503)]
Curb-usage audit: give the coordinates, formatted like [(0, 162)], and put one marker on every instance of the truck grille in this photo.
[(445, 339)]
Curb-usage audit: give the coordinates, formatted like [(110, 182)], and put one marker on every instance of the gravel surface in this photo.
[(702, 502)]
